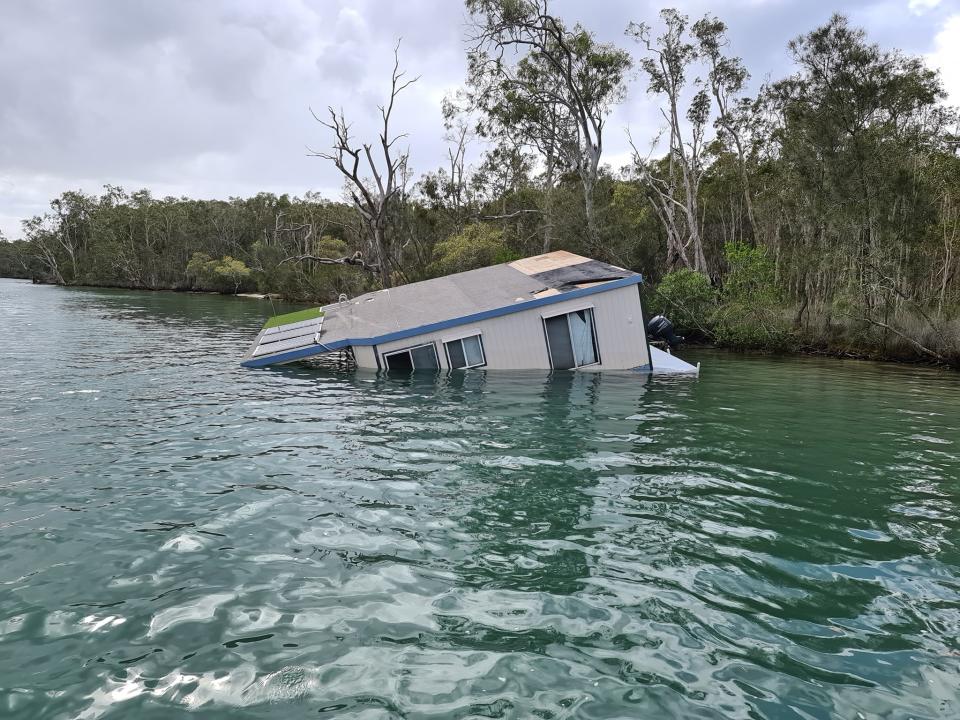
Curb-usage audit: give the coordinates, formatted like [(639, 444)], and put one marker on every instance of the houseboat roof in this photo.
[(417, 308)]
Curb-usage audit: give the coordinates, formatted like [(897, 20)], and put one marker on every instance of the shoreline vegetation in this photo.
[(820, 214), (696, 343)]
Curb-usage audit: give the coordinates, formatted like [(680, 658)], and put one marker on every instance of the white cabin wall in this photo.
[(516, 341), (365, 356), (621, 332)]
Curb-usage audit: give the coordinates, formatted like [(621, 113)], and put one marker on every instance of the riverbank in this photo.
[(827, 351), (750, 311), (813, 352), (139, 288), (846, 344)]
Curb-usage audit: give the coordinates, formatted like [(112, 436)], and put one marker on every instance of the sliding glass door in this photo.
[(572, 340)]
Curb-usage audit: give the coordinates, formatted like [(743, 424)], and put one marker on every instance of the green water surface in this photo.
[(180, 537)]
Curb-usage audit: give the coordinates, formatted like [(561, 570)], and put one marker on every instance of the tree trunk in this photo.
[(588, 178), (592, 238), (548, 204)]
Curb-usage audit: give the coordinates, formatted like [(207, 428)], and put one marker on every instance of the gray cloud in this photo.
[(211, 99)]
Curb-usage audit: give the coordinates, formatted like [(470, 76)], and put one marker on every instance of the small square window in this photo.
[(465, 352), (421, 357)]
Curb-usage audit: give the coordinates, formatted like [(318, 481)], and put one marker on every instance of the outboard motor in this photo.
[(659, 328)]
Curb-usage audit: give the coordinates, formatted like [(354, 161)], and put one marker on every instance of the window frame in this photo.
[(593, 329), (460, 338), (409, 350)]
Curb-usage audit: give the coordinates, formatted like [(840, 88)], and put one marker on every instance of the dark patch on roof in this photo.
[(585, 272)]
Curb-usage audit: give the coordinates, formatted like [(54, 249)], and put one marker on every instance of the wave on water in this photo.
[(776, 539)]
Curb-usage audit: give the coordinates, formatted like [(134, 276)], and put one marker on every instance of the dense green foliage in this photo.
[(227, 274), (820, 214), (747, 312), (477, 245), (688, 299), (751, 312)]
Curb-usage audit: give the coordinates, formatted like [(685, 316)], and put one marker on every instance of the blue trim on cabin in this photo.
[(643, 368), (311, 350)]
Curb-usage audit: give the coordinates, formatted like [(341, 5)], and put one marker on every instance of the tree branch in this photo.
[(355, 260)]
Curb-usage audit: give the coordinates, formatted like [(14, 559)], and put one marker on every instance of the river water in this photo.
[(179, 536)]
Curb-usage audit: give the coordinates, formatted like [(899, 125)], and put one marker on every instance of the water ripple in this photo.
[(778, 539)]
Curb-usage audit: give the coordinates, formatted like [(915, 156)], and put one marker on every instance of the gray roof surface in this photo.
[(430, 301)]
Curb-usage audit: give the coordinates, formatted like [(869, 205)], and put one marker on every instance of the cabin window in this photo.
[(465, 352), (421, 357), (572, 340)]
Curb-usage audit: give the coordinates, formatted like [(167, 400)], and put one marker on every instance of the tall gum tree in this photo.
[(856, 130), (726, 77), (674, 182), (528, 71)]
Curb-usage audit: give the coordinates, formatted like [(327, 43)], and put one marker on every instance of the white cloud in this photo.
[(946, 57)]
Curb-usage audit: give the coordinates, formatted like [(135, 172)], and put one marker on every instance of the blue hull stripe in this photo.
[(309, 351)]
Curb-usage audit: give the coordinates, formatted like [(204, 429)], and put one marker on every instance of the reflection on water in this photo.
[(776, 539)]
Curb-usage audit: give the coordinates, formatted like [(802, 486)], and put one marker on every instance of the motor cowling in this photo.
[(660, 328)]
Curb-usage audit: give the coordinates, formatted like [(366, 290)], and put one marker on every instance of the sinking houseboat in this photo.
[(556, 311)]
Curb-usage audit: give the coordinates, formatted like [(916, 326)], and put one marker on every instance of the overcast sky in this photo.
[(211, 99)]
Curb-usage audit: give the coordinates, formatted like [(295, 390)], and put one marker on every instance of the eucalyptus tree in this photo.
[(60, 238), (726, 77), (16, 258), (674, 181), (856, 128), (945, 187), (552, 86)]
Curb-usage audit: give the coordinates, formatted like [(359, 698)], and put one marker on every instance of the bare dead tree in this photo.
[(458, 137), (662, 194), (375, 196), (299, 235)]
